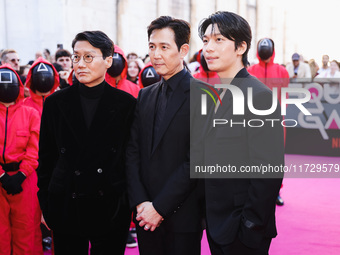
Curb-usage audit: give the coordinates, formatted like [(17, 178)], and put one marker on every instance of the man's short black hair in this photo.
[(231, 26), (62, 53), (97, 39), (180, 27)]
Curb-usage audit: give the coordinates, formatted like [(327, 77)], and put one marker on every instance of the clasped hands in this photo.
[(148, 216)]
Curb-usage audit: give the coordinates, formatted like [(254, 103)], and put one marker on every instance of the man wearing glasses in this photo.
[(11, 57), (81, 174)]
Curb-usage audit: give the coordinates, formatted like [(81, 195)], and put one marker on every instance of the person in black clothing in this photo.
[(165, 198), (81, 175), (240, 207)]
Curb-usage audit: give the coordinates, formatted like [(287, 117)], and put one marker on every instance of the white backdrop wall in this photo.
[(29, 26)]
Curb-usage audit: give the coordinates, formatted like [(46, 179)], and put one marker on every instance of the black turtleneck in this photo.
[(89, 97)]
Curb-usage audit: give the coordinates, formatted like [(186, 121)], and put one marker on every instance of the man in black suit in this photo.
[(240, 207), (159, 185), (83, 136)]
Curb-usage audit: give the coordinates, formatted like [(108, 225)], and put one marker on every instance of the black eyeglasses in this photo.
[(87, 58)]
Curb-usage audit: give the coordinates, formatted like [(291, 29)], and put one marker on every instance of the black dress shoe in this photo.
[(131, 242), (47, 243), (279, 200)]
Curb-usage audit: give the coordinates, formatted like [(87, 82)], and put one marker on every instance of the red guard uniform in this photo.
[(19, 135), (271, 74), (37, 101)]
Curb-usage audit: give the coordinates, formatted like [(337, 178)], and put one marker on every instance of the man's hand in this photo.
[(64, 75), (141, 206), (148, 216)]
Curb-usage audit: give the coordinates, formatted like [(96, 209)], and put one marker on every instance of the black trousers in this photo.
[(238, 248), (111, 243), (163, 242)]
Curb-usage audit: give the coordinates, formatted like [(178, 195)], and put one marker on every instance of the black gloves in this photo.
[(12, 184)]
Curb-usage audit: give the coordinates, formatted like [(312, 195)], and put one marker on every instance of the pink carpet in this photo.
[(309, 222)]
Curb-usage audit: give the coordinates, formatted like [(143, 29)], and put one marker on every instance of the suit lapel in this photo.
[(227, 102), (221, 110), (224, 111), (178, 97), (73, 113)]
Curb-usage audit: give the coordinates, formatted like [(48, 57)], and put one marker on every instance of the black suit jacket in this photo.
[(81, 174), (243, 207), (160, 174)]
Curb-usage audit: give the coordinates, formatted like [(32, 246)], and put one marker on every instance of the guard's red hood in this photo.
[(262, 63), (29, 75), (140, 74), (123, 75)]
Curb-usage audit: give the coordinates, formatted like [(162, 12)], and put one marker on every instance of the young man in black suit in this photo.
[(240, 208), (81, 174), (160, 189)]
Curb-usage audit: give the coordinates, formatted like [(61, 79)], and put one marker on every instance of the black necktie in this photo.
[(160, 110)]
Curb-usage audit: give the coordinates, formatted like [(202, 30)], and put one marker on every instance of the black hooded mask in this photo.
[(42, 78), (149, 76), (118, 65), (9, 86), (265, 48)]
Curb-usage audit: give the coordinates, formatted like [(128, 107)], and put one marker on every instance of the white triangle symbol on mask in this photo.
[(115, 55), (42, 68), (150, 74), (264, 43)]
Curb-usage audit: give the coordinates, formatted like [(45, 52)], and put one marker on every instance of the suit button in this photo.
[(77, 172), (113, 150), (74, 195), (101, 193), (99, 170), (62, 150)]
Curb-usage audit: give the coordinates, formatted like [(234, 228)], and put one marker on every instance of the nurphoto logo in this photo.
[(239, 104), (238, 100)]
